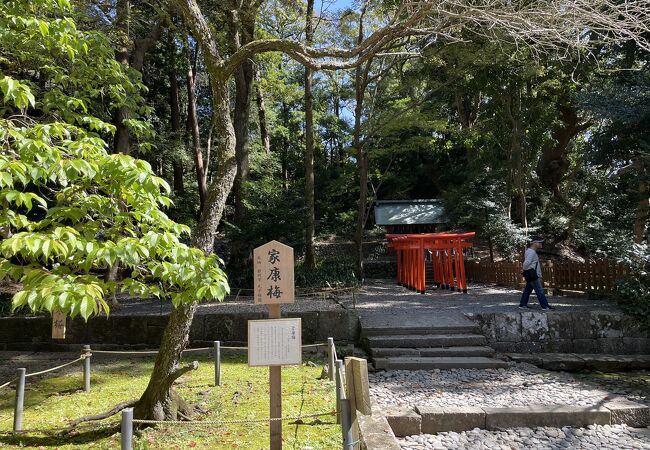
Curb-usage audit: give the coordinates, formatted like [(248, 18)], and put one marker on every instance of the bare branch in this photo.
[(183, 370), (332, 58)]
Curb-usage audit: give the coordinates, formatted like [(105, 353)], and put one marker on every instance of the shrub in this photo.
[(633, 293)]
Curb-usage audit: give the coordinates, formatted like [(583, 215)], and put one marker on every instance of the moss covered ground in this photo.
[(634, 384), (244, 394)]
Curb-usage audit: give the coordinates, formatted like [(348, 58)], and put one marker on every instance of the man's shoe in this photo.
[(549, 307), (524, 307)]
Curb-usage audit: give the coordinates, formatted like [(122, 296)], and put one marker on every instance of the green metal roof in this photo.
[(409, 212)]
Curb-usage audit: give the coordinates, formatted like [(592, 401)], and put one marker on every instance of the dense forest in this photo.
[(514, 139), (136, 134)]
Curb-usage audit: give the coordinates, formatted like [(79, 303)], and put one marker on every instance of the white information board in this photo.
[(274, 342)]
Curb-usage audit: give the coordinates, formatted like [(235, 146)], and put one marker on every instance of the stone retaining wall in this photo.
[(34, 333), (563, 332)]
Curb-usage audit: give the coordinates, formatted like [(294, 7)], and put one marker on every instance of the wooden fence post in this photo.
[(358, 391)]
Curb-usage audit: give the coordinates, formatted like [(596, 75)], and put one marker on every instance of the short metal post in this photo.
[(87, 368), (330, 357), (340, 390), (20, 399), (344, 408), (127, 429), (217, 363)]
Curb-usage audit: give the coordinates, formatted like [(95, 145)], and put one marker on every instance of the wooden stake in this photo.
[(275, 392)]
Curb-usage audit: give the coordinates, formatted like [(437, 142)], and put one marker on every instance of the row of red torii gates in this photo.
[(447, 259)]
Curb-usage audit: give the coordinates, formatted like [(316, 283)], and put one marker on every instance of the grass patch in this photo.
[(244, 394)]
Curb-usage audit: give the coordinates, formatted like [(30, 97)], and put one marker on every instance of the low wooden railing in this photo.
[(598, 277)]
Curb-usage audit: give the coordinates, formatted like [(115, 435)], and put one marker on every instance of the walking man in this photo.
[(533, 274)]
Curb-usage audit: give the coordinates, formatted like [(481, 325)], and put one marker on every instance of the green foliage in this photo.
[(70, 209), (633, 293), (329, 272), (73, 73)]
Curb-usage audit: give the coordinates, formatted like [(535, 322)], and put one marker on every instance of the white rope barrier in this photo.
[(126, 352), (154, 352), (55, 368), (227, 422), (7, 383)]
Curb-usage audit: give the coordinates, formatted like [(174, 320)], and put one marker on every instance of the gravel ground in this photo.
[(596, 437), (519, 385)]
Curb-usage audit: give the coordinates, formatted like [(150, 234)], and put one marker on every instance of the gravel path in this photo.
[(519, 385), (596, 437)]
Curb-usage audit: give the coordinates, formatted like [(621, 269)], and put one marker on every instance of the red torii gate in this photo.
[(447, 259)]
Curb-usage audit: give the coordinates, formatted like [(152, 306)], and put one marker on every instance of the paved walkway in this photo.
[(385, 303)]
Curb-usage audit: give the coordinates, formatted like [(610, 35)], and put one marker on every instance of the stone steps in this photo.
[(427, 363), (426, 340), (419, 330), (434, 352)]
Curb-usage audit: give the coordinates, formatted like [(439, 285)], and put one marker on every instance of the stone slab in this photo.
[(562, 361), (417, 318), (404, 421), (605, 362), (534, 326), (457, 419), (432, 340), (376, 434), (546, 416), (508, 327), (530, 358), (424, 363), (628, 412), (458, 351)]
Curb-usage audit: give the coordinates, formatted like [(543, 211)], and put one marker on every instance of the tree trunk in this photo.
[(643, 204), (360, 83), (285, 148), (159, 400), (554, 161), (512, 103), (193, 127), (261, 114), (310, 254), (122, 19), (174, 106), (242, 28), (122, 140)]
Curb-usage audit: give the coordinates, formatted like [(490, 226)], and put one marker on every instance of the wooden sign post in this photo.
[(273, 267), (58, 325)]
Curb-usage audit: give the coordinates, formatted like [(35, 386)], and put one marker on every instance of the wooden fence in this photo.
[(598, 277)]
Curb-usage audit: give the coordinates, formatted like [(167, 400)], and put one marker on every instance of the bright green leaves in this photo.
[(70, 210), (24, 199), (72, 294), (16, 93)]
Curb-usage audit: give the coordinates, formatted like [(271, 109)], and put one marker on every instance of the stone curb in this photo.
[(405, 421), (574, 362), (376, 434)]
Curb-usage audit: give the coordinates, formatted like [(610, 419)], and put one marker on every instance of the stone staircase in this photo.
[(440, 345)]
